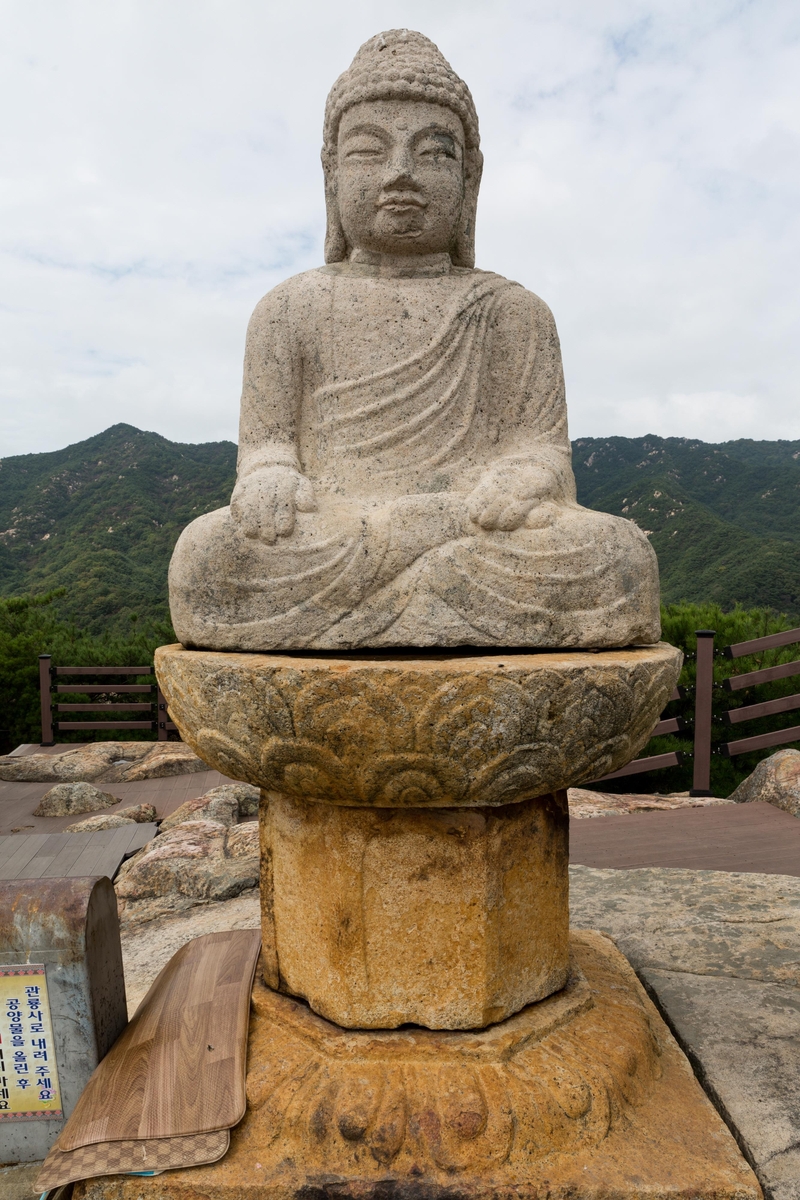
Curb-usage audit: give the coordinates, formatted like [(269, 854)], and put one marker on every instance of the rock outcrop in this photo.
[(776, 781), (103, 762), (228, 804), (192, 863), (67, 798), (140, 814)]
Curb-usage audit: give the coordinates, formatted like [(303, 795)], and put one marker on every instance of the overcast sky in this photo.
[(160, 172)]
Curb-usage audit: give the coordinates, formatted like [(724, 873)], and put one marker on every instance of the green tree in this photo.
[(29, 626)]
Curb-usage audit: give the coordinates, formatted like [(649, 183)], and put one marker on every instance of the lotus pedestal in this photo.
[(424, 1026)]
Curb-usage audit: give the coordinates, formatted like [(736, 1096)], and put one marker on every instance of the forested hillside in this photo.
[(724, 519), (100, 518)]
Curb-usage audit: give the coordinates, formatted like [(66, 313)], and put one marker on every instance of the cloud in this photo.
[(162, 172)]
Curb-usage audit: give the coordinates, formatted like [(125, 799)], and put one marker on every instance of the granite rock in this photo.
[(83, 764), (191, 863), (103, 762), (140, 813), (776, 780), (209, 807), (101, 821), (584, 802), (229, 803), (165, 759), (404, 472), (410, 732), (67, 798), (137, 815)]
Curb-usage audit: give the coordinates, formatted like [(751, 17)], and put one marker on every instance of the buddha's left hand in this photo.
[(507, 493)]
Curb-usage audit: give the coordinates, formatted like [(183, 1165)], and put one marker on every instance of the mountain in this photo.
[(100, 518), (724, 519)]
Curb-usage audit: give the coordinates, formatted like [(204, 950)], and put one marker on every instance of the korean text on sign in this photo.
[(28, 1074)]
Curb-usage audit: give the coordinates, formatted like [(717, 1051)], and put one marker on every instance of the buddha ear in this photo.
[(336, 248), (464, 251)]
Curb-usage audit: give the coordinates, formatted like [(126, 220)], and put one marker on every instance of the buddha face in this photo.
[(400, 176)]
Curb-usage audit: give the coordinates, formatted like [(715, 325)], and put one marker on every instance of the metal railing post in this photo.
[(703, 697), (161, 716), (44, 695)]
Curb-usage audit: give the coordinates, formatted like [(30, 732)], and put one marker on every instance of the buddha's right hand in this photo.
[(265, 502)]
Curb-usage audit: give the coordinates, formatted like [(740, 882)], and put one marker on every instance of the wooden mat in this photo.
[(178, 1069), (130, 1157)]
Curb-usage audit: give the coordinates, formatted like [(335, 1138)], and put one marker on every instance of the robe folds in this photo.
[(396, 397)]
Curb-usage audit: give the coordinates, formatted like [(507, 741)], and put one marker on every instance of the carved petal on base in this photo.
[(582, 1095), (451, 1101)]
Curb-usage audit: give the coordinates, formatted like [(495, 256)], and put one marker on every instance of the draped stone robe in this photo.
[(395, 396)]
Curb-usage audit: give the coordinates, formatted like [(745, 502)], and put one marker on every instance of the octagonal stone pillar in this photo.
[(449, 918)]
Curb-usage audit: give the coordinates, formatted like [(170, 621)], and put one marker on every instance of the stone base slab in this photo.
[(584, 1094)]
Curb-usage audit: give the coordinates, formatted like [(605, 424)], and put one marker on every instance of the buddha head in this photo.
[(401, 154)]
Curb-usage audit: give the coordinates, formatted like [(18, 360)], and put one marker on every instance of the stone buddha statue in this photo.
[(404, 472)]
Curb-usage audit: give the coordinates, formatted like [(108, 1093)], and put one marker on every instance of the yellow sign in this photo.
[(28, 1076)]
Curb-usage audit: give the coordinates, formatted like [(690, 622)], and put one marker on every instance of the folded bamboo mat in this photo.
[(173, 1085)]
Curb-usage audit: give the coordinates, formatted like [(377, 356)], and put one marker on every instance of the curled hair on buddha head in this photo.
[(402, 65)]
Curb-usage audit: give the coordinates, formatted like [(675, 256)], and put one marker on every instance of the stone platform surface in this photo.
[(720, 953), (416, 730), (584, 1094)]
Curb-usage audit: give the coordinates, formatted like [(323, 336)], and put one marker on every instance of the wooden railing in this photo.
[(703, 709), (156, 707), (768, 708)]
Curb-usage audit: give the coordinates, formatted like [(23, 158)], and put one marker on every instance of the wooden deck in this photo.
[(71, 855), (731, 837), (18, 800)]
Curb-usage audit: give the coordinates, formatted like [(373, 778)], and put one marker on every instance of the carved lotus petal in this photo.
[(355, 717), (444, 731), (231, 758), (510, 778), (305, 770), (474, 719), (412, 781)]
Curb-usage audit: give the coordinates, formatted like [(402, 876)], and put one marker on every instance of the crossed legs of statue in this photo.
[(402, 573)]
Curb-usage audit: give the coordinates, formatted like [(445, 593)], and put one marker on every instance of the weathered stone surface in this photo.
[(404, 474), (776, 780), (744, 1037), (449, 918), (189, 864), (103, 762), (229, 803), (209, 807), (84, 763), (585, 1094), (721, 952), (17, 1182), (165, 759), (590, 803), (140, 813), (101, 821), (698, 922), (148, 946), (66, 798), (446, 731)]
